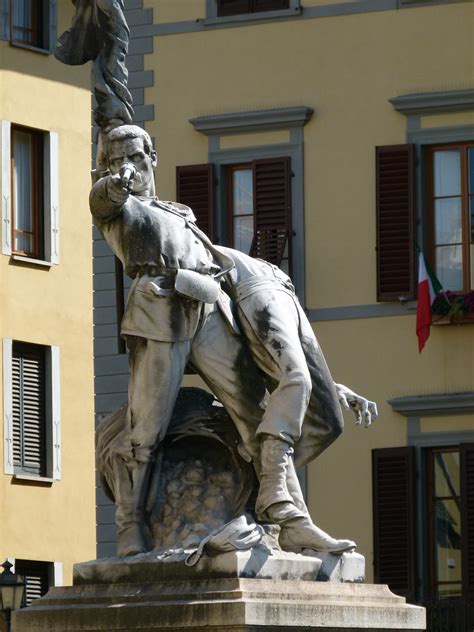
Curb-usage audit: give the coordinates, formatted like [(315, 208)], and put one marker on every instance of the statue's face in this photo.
[(131, 150)]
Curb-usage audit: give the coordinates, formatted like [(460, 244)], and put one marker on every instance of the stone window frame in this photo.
[(55, 570), (52, 416), (292, 119), (49, 29), (50, 197), (212, 19), (416, 105), (413, 408)]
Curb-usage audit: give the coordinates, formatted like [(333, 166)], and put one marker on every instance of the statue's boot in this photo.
[(272, 473), (130, 491), (281, 501)]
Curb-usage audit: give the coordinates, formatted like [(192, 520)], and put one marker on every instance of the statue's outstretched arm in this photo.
[(108, 196)]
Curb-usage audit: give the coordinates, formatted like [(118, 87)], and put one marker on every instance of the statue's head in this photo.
[(132, 144)]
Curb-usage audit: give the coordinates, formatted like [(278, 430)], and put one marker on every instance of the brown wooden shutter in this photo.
[(237, 7), (29, 400), (195, 188), (467, 519), (270, 5), (393, 472), (233, 7), (395, 182), (272, 208)]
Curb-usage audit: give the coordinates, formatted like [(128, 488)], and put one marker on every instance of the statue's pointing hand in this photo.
[(118, 194), (128, 173), (364, 409), (120, 185)]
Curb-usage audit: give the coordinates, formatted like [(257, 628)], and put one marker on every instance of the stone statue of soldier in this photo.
[(166, 326)]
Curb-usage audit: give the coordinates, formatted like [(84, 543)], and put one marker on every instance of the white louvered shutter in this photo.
[(51, 156), (5, 184), (7, 407), (29, 408)]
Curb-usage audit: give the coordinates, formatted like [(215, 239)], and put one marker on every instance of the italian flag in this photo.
[(428, 287)]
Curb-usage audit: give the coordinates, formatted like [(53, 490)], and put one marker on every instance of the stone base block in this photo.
[(243, 591), (348, 567)]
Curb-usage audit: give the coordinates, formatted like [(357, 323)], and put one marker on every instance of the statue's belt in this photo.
[(198, 286), (169, 273), (254, 284)]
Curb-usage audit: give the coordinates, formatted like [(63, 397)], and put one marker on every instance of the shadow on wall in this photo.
[(28, 57), (41, 65)]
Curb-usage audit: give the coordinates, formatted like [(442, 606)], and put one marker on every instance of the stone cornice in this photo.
[(252, 121), (434, 405), (434, 102)]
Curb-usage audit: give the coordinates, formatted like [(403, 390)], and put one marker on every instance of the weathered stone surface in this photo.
[(348, 567), (258, 563), (198, 482), (234, 591)]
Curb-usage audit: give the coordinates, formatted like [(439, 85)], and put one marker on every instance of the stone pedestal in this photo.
[(246, 591)]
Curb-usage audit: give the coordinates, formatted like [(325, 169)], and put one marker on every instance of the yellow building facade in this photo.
[(47, 488), (323, 84)]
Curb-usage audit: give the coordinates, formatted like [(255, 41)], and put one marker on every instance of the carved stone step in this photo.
[(245, 591)]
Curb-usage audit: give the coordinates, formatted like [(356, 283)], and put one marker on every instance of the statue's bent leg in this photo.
[(323, 422), (225, 364), (270, 321), (156, 370), (273, 329)]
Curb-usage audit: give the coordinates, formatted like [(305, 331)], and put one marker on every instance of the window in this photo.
[(27, 198), (219, 11), (39, 576), (238, 7), (278, 181), (450, 211), (31, 410), (30, 194), (30, 23), (443, 520), (240, 207), (444, 214), (425, 192), (423, 539), (256, 217)]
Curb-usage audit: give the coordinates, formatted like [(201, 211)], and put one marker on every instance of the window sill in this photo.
[(33, 49), (33, 262), (407, 3), (251, 17), (461, 319), (33, 478)]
